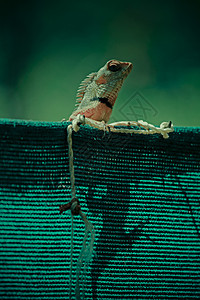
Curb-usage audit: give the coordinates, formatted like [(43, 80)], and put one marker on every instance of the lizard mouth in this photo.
[(128, 67)]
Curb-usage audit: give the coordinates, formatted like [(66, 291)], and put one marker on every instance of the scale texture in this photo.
[(141, 192)]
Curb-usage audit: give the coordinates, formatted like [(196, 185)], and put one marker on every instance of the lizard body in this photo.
[(98, 92)]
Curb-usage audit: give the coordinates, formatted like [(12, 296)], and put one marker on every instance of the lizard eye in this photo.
[(114, 67)]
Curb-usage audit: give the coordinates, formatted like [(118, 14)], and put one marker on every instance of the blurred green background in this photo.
[(48, 47)]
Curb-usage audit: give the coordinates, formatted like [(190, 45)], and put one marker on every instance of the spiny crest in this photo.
[(83, 86)]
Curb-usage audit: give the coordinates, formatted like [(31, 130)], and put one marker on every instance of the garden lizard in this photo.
[(97, 94)]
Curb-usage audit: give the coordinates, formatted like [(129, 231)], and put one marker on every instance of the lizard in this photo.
[(97, 93), (96, 97)]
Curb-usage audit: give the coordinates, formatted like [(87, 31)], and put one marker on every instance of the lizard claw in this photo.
[(166, 125), (63, 120), (80, 119)]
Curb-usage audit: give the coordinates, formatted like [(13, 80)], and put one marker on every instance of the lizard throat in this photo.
[(103, 100)]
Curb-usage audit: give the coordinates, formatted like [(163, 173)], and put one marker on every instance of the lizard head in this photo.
[(104, 84), (109, 79), (113, 71)]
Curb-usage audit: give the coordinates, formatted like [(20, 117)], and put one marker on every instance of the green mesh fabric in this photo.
[(141, 192)]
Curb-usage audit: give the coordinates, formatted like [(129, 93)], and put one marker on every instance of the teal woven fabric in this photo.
[(141, 192)]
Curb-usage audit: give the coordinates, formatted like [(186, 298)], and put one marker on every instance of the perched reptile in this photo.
[(98, 92)]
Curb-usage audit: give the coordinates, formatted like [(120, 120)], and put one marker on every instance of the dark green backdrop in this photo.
[(48, 47)]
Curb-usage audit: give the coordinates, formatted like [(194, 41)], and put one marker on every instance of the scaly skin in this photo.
[(98, 92)]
